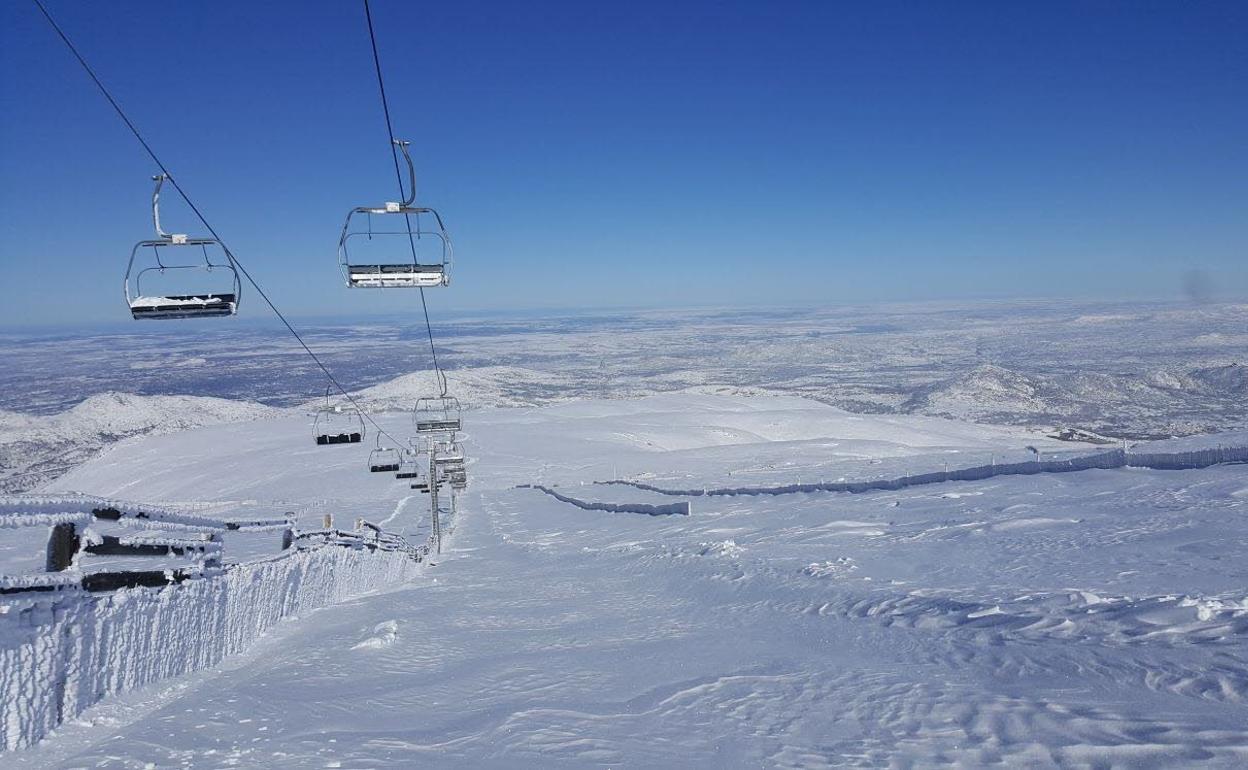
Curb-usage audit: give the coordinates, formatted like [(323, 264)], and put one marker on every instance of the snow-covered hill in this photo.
[(1154, 404), (474, 387), (34, 448), (1093, 618)]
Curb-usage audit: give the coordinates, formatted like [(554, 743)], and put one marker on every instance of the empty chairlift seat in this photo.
[(409, 467), (177, 276), (384, 460), (335, 425), (450, 454), (437, 414), (397, 245)]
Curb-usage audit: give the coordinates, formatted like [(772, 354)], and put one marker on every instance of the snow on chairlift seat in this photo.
[(396, 271), (160, 257), (396, 276), (184, 306)]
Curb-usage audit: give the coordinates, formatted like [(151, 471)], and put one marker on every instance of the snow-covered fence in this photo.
[(668, 509), (1195, 458), (1117, 458), (64, 645)]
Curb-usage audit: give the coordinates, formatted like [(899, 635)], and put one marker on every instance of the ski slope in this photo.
[(1095, 618)]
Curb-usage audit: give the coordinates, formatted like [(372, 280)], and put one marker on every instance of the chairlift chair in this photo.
[(217, 297), (406, 244), (335, 425), (449, 453), (383, 459), (409, 467), (437, 414)]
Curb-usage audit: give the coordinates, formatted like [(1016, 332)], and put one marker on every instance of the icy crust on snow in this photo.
[(58, 656)]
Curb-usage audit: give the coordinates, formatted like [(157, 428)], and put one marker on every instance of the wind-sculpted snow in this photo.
[(60, 655)]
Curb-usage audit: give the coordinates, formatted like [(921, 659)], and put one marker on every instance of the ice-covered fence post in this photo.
[(62, 546), (215, 559), (288, 538), (434, 483), (329, 521)]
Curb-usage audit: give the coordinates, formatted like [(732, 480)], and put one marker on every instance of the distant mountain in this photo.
[(1119, 404), (984, 391), (1228, 380), (35, 448)]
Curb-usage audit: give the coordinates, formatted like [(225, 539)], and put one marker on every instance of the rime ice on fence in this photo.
[(63, 648), (670, 509), (1118, 458)]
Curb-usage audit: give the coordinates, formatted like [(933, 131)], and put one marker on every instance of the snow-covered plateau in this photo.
[(712, 612)]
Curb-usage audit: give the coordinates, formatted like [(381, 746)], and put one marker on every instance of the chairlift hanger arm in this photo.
[(411, 172), (159, 179)]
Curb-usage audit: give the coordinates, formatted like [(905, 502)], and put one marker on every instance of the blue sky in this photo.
[(640, 154)]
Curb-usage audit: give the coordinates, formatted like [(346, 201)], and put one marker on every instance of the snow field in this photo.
[(1084, 619)]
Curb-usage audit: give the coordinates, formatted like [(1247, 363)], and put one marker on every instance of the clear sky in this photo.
[(639, 154)]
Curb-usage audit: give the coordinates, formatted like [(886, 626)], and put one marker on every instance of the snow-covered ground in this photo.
[(1094, 618), (1126, 370)]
